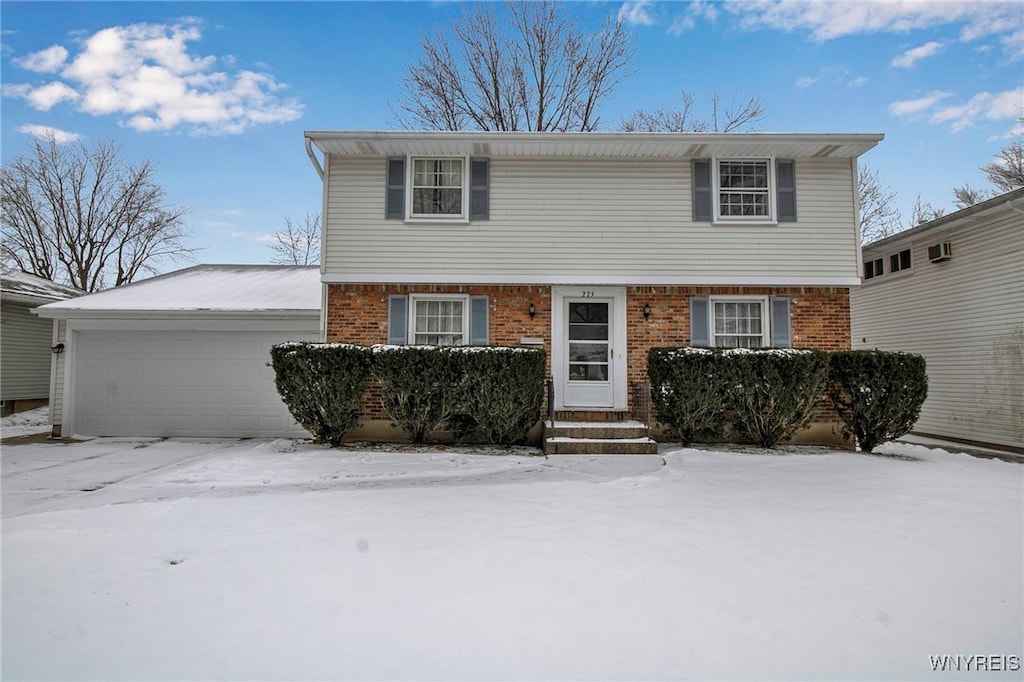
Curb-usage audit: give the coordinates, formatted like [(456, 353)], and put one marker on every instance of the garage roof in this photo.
[(204, 290)]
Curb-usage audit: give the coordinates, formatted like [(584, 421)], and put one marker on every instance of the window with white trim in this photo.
[(899, 261), (739, 322), (438, 188), (438, 320), (745, 189), (873, 268)]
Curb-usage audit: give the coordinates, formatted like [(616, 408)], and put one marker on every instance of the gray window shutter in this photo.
[(700, 322), (478, 313), (780, 322), (395, 201), (702, 191), (785, 189), (479, 189), (398, 320)]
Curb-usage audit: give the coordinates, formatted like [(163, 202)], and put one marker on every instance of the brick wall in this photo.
[(819, 317)]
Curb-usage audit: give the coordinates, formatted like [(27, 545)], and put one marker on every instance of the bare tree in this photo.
[(298, 244), (741, 113), (1007, 170), (85, 216), (965, 196), (531, 69), (879, 215), (924, 212)]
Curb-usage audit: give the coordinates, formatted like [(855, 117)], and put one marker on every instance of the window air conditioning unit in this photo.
[(940, 252)]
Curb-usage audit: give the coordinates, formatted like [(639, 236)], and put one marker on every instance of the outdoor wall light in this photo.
[(58, 349), (647, 311), (533, 311)]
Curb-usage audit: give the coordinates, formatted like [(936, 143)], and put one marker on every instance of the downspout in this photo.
[(315, 161)]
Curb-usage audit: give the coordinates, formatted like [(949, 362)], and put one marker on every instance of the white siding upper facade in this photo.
[(965, 315), (25, 360), (600, 219)]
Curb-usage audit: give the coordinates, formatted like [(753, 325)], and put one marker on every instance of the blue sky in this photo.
[(218, 94)]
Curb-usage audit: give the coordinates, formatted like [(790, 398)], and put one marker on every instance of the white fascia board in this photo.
[(87, 313), (618, 280), (309, 325)]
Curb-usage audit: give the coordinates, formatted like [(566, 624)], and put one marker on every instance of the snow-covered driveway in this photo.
[(275, 559)]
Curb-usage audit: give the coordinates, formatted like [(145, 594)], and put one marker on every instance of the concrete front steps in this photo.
[(598, 438)]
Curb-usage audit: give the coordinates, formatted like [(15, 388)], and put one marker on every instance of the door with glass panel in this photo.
[(588, 367)]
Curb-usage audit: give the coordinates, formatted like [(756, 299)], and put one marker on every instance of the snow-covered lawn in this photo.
[(176, 559)]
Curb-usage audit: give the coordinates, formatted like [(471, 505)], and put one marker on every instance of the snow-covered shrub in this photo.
[(689, 387), (418, 387), (773, 391), (322, 384), (501, 392), (878, 394)]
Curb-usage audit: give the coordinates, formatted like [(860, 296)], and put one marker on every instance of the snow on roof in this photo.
[(206, 288), (23, 286)]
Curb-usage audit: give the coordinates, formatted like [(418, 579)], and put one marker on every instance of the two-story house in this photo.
[(596, 246)]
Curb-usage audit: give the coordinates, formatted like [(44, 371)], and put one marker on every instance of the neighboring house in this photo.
[(25, 340), (953, 290), (596, 246), (181, 354)]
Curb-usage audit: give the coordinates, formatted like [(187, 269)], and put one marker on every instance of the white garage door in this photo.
[(188, 384)]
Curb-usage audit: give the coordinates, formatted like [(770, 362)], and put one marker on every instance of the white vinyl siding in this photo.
[(25, 358), (965, 316), (598, 217), (57, 384)]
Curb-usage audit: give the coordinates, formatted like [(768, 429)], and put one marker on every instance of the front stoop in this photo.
[(598, 438)]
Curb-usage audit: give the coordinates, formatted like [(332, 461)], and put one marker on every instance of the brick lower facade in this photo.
[(358, 313)]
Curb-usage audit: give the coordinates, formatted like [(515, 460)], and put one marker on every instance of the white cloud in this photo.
[(914, 55), (858, 82), (44, 61), (984, 105), (911, 107), (264, 237), (45, 132), (826, 20), (146, 74), (807, 81), (231, 211), (47, 96), (635, 13), (1013, 45), (695, 10)]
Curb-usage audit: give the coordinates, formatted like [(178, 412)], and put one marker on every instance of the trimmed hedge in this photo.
[(689, 387), (419, 387), (774, 391), (322, 384), (878, 394), (771, 393), (495, 393), (501, 392)]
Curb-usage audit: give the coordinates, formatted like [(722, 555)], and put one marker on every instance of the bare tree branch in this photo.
[(1007, 170), (740, 114), (298, 244), (86, 217), (529, 69), (879, 215), (965, 196)]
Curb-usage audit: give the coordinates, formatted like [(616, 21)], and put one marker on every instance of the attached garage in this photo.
[(183, 354)]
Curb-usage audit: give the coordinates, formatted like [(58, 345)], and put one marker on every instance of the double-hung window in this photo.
[(438, 188), (739, 322), (899, 261), (439, 320), (744, 189)]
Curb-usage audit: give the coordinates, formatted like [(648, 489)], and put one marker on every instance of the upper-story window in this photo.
[(873, 268), (899, 261), (751, 191), (438, 187), (441, 189), (744, 190)]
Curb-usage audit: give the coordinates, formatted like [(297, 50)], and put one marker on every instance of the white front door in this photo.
[(589, 344)]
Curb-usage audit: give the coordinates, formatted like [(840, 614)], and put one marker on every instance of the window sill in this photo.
[(733, 223), (443, 220)]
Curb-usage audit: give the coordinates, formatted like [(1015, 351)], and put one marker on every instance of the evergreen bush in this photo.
[(322, 384), (878, 394), (774, 391), (420, 386), (500, 393), (689, 387)]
